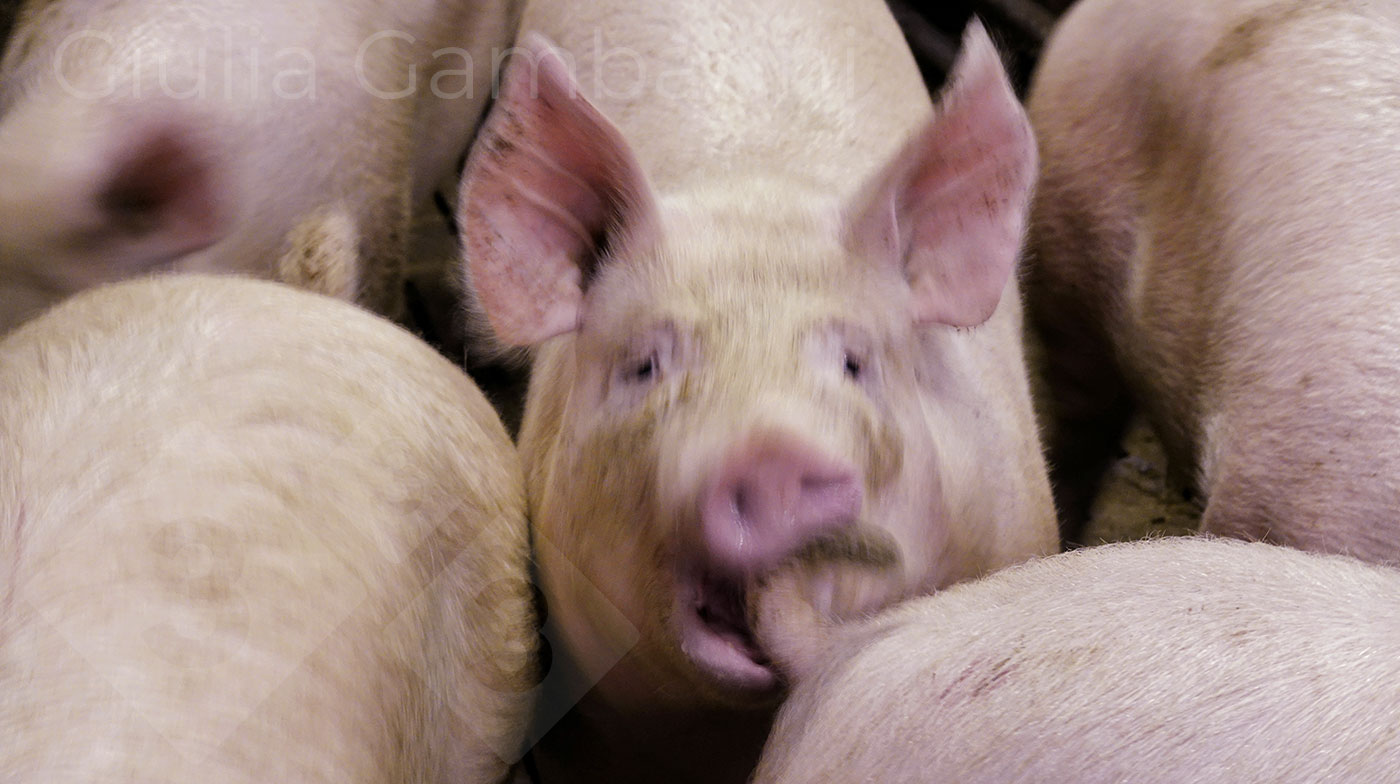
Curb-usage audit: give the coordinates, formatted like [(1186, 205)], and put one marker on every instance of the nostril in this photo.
[(743, 505)]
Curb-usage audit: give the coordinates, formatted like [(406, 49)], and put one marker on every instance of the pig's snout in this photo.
[(770, 496)]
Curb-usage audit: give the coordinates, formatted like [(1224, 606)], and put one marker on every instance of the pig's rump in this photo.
[(1213, 241), (139, 136), (252, 534)]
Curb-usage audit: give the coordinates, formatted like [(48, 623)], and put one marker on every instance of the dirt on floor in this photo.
[(1136, 501)]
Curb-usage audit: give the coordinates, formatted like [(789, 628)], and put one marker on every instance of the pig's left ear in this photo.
[(951, 207)]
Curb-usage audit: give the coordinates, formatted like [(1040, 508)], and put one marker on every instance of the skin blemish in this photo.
[(1003, 668), (886, 459), (972, 676), (1255, 32)]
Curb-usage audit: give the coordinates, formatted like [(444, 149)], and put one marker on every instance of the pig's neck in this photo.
[(595, 743)]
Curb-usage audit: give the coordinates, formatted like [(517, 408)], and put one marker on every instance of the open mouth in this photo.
[(715, 634), (712, 611)]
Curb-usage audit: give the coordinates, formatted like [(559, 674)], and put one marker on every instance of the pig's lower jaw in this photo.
[(715, 636)]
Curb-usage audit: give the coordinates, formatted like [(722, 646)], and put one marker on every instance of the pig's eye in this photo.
[(647, 360), (845, 354), (854, 366), (643, 371), (640, 371)]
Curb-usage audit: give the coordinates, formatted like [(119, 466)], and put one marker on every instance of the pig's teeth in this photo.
[(722, 607)]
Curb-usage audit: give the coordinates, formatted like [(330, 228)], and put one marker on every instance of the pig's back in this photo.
[(250, 534), (819, 91), (295, 106), (1245, 116), (264, 93), (1175, 660)]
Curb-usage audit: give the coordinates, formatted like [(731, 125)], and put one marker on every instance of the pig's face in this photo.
[(731, 377), (728, 404)]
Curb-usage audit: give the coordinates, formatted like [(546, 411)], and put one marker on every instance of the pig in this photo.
[(1213, 242), (1174, 660), (768, 293), (251, 534), (140, 136)]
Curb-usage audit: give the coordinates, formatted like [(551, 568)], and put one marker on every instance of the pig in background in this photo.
[(771, 304), (249, 534), (1214, 240), (138, 136), (1180, 660)]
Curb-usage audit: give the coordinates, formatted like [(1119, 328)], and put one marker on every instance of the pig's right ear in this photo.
[(549, 187)]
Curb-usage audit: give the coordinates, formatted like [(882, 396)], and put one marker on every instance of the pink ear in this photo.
[(550, 182), (951, 207)]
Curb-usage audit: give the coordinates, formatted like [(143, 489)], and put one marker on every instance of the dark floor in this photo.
[(1019, 26)]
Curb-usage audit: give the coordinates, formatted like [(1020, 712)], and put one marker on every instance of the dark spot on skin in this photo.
[(496, 138), (971, 674), (1255, 32), (685, 391), (1003, 668), (499, 145), (886, 458), (152, 183)]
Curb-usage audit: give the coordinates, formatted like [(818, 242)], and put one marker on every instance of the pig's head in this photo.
[(729, 376)]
